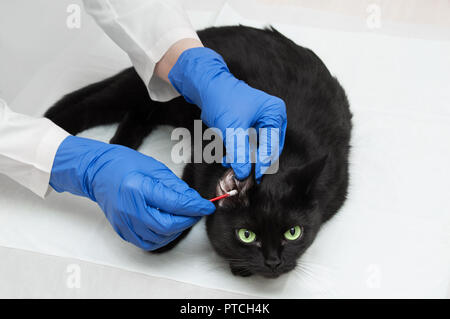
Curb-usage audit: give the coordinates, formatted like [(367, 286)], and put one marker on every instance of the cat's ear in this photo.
[(228, 183), (303, 179)]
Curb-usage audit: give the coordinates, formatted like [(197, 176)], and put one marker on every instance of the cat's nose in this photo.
[(273, 262)]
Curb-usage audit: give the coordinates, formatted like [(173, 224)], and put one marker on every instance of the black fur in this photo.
[(311, 184)]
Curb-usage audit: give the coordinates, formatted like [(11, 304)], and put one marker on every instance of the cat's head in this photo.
[(266, 227)]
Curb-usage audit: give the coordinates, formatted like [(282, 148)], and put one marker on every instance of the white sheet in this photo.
[(390, 240)]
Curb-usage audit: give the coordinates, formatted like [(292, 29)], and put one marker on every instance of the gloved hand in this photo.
[(203, 78), (144, 201)]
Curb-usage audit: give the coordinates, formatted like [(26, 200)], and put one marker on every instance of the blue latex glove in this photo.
[(203, 78), (144, 201)]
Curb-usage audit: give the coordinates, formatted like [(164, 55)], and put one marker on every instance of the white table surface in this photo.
[(30, 43)]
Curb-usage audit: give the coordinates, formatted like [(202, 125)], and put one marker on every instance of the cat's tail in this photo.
[(100, 103), (122, 98)]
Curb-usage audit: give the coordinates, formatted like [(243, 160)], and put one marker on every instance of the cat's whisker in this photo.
[(216, 267), (237, 261), (242, 271), (324, 286), (313, 268), (316, 265), (302, 275), (311, 280), (310, 271)]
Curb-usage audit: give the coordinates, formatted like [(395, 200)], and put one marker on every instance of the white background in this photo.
[(390, 240)]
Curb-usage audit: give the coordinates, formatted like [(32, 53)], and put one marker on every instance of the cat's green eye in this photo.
[(293, 233), (245, 235)]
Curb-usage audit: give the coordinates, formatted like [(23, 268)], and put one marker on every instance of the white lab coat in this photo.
[(144, 29)]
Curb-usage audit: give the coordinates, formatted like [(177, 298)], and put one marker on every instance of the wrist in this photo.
[(163, 67), (193, 72), (74, 159)]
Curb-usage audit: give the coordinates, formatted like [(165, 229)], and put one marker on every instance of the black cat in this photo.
[(268, 226)]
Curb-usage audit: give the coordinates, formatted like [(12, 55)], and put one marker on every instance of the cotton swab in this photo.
[(228, 194)]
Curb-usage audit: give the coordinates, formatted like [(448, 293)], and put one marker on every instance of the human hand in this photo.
[(144, 201), (203, 78)]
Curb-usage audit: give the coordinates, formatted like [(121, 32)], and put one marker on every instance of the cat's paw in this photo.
[(240, 271)]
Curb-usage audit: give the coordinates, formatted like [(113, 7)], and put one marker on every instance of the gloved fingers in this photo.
[(273, 114), (166, 224), (161, 172), (267, 154), (140, 235), (186, 203), (242, 170), (271, 142), (173, 182), (128, 234), (261, 169), (224, 162), (140, 242), (131, 222), (140, 228), (165, 242), (238, 153), (272, 129)]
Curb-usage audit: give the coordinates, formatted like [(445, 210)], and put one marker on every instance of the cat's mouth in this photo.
[(277, 273), (271, 275), (266, 273)]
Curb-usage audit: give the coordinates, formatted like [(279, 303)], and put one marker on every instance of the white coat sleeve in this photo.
[(145, 30), (27, 148)]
